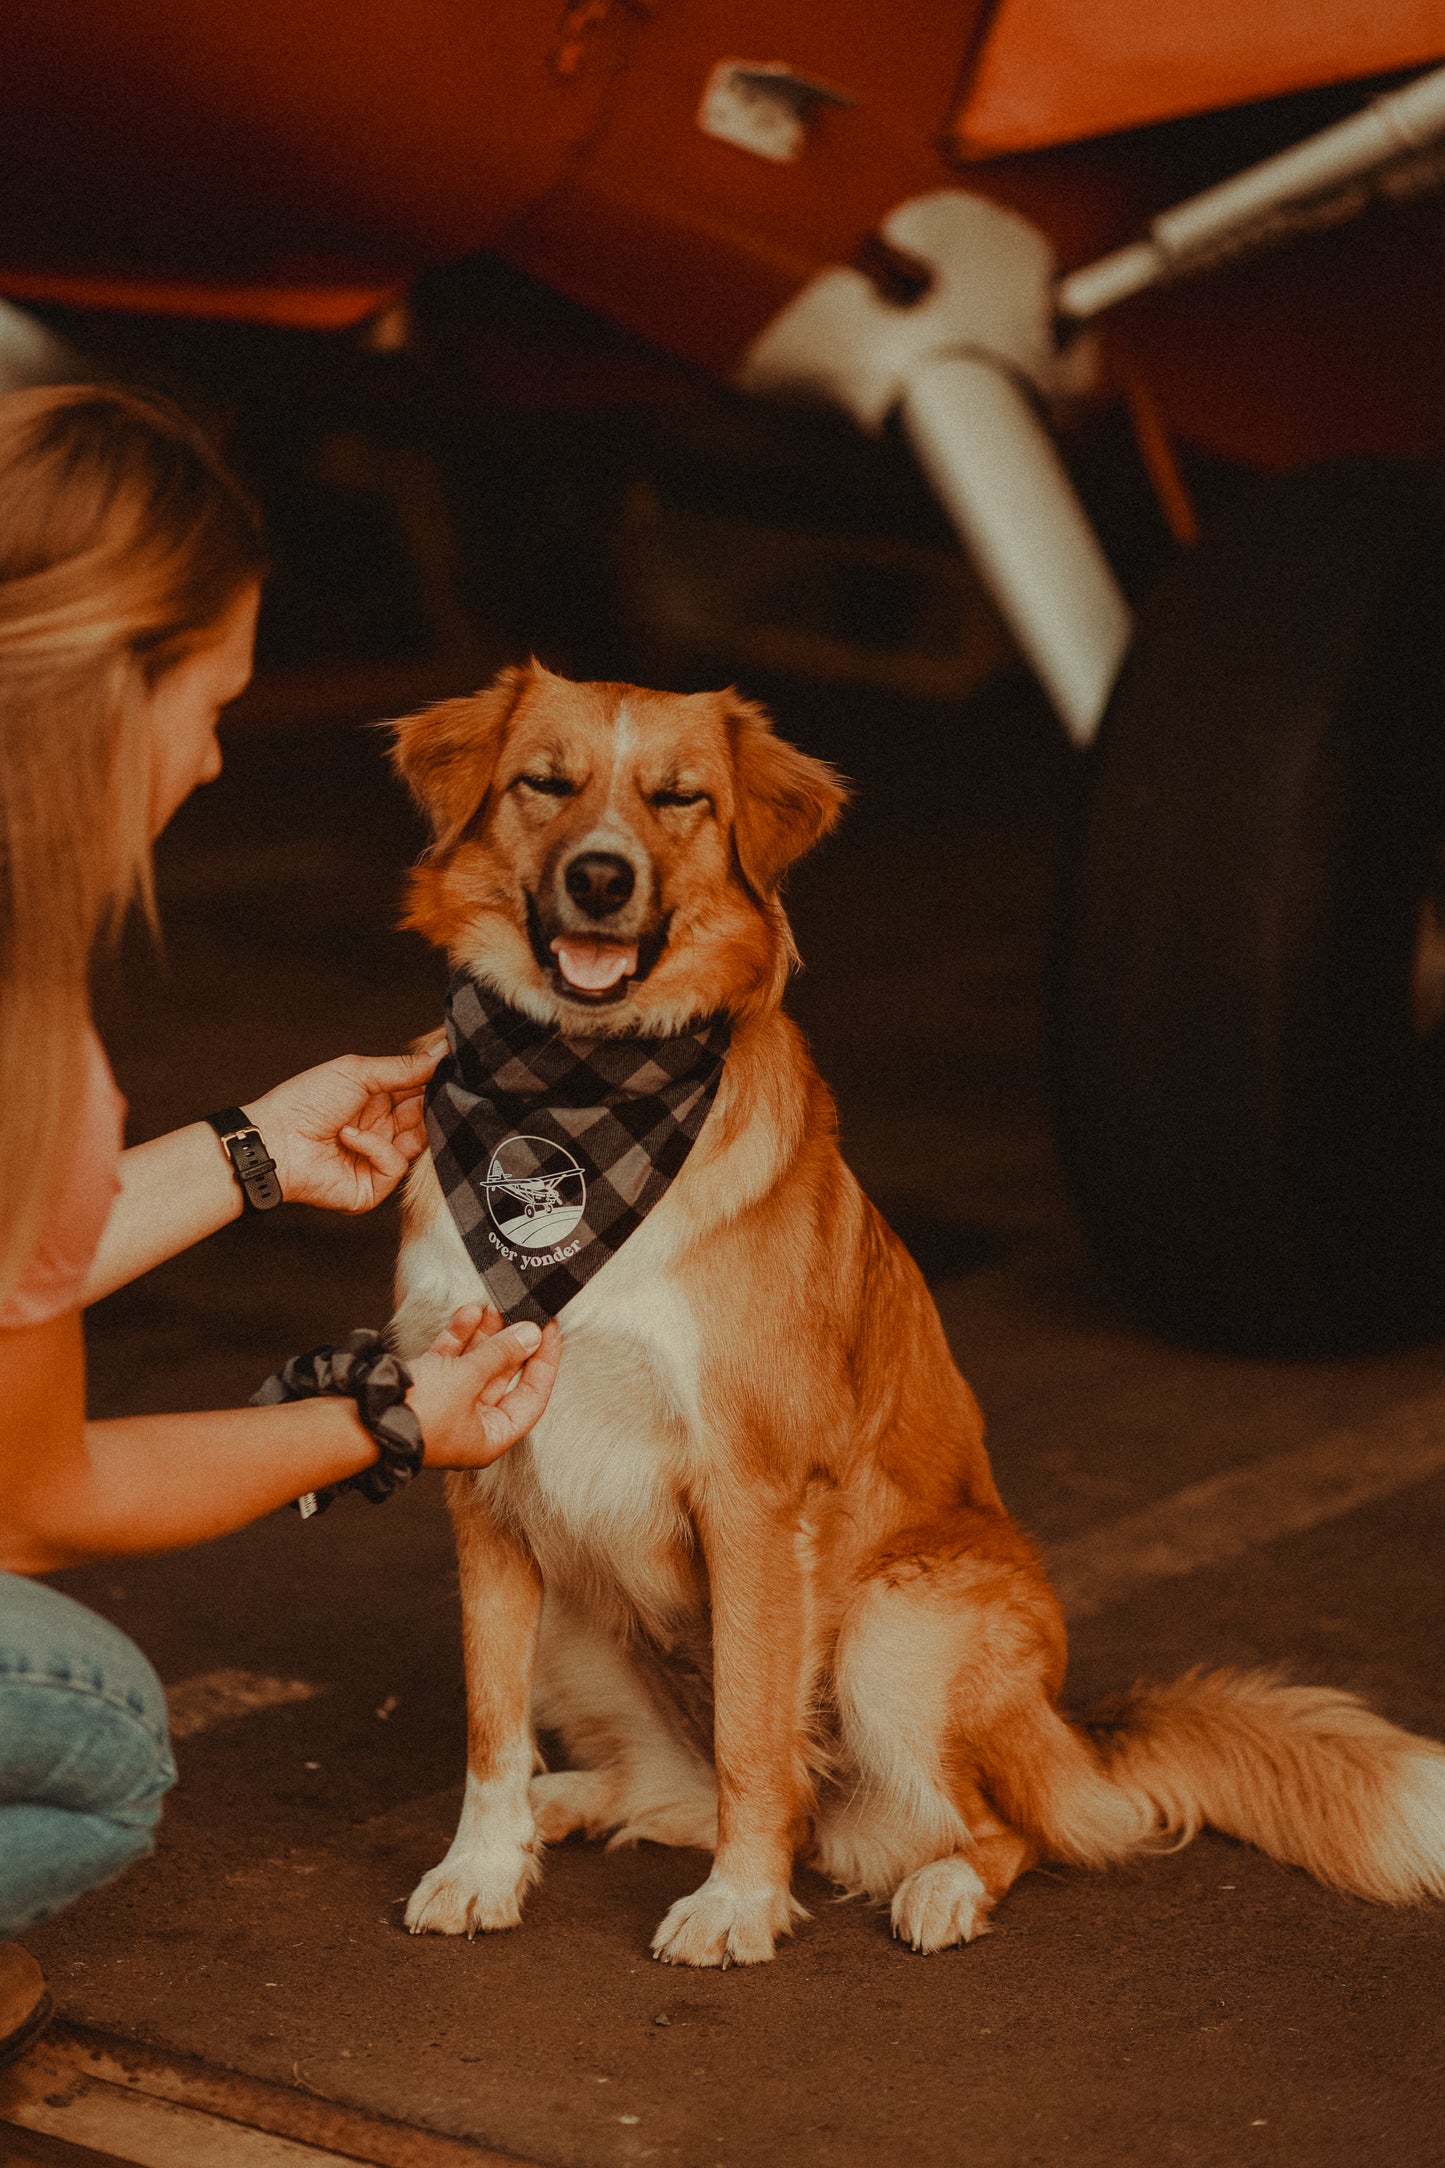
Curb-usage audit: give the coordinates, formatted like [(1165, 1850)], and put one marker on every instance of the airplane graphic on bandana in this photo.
[(536, 1192)]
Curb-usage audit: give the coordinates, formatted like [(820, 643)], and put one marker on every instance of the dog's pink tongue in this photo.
[(594, 966)]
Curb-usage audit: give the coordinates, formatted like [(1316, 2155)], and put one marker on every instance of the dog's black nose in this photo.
[(600, 882)]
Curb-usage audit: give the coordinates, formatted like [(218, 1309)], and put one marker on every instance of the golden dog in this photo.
[(752, 1566)]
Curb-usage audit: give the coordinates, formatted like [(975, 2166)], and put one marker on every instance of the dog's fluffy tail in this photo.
[(1306, 1773)]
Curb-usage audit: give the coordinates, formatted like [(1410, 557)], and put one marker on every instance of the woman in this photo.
[(130, 567)]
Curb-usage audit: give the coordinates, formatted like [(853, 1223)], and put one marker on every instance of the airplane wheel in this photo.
[(1248, 987)]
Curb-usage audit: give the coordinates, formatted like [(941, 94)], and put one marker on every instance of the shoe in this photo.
[(25, 2005)]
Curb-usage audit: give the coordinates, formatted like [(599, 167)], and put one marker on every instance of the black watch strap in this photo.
[(255, 1169)]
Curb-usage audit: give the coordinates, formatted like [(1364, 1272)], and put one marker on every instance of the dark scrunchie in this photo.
[(365, 1370)]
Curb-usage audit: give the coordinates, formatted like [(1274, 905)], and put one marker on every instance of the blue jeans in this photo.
[(84, 1756)]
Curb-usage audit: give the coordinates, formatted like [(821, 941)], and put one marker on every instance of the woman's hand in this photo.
[(481, 1386), (344, 1134)]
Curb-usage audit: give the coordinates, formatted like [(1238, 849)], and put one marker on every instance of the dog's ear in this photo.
[(447, 755), (786, 800)]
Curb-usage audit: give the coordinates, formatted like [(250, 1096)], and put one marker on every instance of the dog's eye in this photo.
[(679, 797), (550, 786)]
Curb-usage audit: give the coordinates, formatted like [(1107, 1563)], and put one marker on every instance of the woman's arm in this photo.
[(72, 1491), (342, 1136), (174, 1191)]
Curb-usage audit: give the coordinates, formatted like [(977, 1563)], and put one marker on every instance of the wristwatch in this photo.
[(252, 1164)]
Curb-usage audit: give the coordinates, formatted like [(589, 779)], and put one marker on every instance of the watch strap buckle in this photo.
[(252, 1164)]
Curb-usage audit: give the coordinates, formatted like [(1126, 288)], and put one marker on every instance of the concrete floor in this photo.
[(1209, 2007)]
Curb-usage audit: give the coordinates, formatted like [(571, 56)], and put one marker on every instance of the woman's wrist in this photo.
[(196, 1165), (332, 1442), (269, 1120)]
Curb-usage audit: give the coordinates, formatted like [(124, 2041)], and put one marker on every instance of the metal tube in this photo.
[(1388, 129), (985, 450), (1086, 293)]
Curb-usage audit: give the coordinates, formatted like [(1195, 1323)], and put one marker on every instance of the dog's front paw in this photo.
[(942, 1904), (473, 1892), (721, 1925)]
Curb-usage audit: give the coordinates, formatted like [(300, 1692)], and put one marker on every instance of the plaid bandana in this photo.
[(551, 1151)]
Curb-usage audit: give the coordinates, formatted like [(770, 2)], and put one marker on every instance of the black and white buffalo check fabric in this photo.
[(552, 1151)]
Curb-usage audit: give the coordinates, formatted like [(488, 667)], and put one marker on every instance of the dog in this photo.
[(752, 1567)]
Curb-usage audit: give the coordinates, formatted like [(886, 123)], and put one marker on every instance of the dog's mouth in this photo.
[(590, 968)]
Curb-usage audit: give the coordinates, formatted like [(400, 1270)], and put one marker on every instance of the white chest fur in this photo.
[(598, 1487)]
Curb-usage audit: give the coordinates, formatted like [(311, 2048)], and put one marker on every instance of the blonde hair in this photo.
[(123, 544)]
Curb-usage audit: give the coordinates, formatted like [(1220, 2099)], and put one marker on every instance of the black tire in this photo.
[(1247, 1001)]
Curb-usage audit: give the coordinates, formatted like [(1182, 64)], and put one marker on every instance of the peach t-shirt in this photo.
[(55, 1277)]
